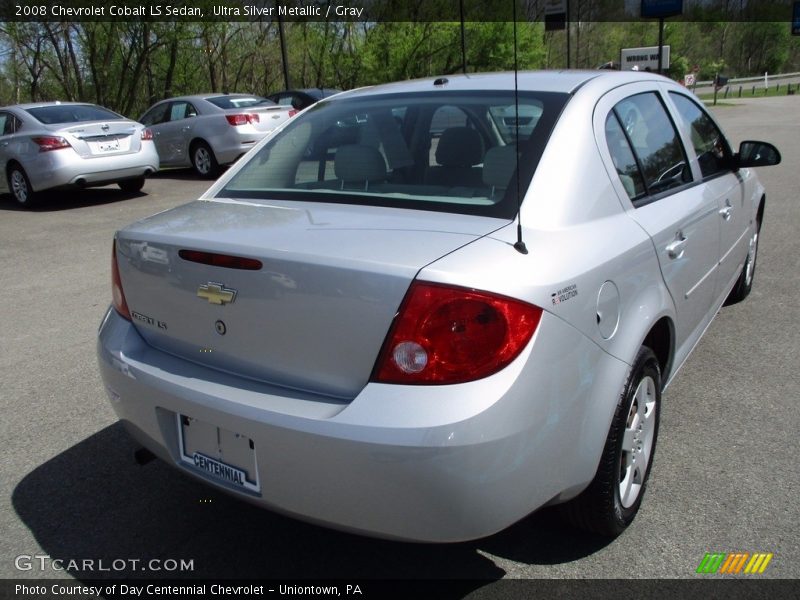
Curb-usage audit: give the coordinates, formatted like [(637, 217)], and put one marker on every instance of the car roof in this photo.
[(211, 95), (28, 105), (568, 82)]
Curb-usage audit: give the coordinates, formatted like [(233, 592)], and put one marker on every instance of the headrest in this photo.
[(459, 147), (357, 162), (499, 165)]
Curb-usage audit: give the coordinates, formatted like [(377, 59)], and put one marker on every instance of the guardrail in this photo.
[(757, 79)]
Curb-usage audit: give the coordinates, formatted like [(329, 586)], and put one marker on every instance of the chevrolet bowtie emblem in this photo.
[(216, 293)]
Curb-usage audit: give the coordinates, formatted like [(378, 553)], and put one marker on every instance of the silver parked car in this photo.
[(418, 334), (50, 145), (205, 131)]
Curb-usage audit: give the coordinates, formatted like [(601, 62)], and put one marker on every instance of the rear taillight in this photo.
[(221, 260), (49, 143), (293, 112), (444, 334), (147, 134), (117, 295), (242, 119)]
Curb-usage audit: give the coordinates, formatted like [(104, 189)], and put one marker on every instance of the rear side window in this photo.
[(654, 142), (181, 110), (72, 113), (623, 158), (713, 152)]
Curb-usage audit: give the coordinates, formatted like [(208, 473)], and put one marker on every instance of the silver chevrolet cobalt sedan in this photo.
[(423, 310)]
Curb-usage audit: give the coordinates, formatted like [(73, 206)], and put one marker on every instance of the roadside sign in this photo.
[(660, 9), (689, 79), (643, 59), (555, 15), (796, 19)]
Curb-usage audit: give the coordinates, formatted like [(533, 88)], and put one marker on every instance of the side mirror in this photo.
[(757, 154)]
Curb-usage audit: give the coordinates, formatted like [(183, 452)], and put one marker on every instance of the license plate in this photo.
[(220, 454), (107, 146)]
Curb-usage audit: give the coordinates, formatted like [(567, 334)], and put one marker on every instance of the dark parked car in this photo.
[(300, 99)]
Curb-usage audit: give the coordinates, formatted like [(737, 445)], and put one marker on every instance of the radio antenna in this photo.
[(519, 245)]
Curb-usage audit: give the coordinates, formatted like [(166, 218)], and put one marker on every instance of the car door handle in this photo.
[(187, 128), (676, 248), (726, 212)]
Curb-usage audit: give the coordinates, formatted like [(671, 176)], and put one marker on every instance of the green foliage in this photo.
[(129, 65)]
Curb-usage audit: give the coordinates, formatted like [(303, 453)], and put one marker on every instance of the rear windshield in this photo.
[(238, 101), (445, 151), (72, 113)]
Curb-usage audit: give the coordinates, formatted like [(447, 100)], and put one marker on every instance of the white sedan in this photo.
[(52, 145)]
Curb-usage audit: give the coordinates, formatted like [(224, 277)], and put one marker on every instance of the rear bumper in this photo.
[(426, 463), (65, 168), (236, 142)]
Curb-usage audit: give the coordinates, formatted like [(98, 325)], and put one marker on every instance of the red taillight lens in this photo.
[(445, 334), (147, 134), (49, 143), (242, 119), (221, 260), (293, 112), (117, 295)]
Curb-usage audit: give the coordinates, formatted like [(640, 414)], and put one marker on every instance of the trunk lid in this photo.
[(102, 138), (314, 316)]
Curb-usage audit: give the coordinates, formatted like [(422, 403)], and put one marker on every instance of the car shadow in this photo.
[(56, 200), (184, 174), (93, 501)]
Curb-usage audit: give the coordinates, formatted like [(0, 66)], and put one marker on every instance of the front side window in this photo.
[(713, 152), (6, 123), (445, 151), (654, 141), (156, 115)]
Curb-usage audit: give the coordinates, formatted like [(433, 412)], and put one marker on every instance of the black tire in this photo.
[(602, 507), (20, 186), (204, 162), (744, 284), (131, 186)]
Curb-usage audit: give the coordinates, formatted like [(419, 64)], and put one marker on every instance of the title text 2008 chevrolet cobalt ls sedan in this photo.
[(415, 314)]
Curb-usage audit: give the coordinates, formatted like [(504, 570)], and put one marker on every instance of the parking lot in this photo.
[(725, 479)]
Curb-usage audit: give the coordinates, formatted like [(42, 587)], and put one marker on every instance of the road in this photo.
[(725, 477)]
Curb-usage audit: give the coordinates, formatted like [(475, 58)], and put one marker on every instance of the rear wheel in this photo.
[(20, 186), (612, 500), (131, 185), (203, 160), (744, 284)]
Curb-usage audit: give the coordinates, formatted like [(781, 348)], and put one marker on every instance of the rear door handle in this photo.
[(726, 212), (676, 248)]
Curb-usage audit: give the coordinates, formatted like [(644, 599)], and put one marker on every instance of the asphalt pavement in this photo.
[(725, 478)]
